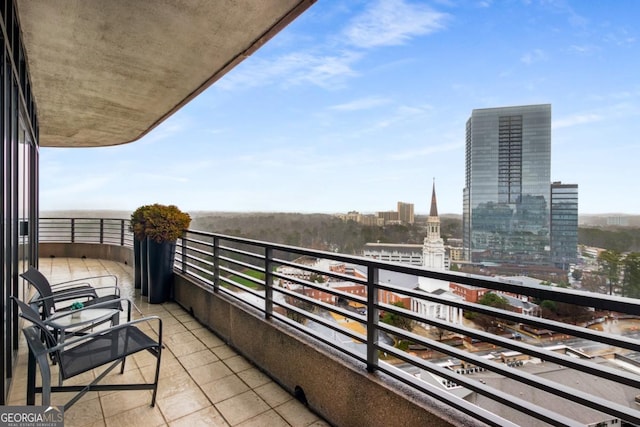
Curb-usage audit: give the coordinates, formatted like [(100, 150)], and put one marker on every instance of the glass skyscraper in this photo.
[(506, 199), (564, 224)]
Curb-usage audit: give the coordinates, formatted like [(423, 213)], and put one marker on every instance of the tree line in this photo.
[(317, 231)]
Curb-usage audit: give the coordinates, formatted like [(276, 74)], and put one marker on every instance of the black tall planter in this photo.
[(144, 271), (160, 267), (137, 272)]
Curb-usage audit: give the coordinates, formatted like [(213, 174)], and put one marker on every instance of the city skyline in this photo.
[(358, 106)]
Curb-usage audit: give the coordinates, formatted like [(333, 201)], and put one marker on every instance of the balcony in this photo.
[(203, 380), (277, 319)]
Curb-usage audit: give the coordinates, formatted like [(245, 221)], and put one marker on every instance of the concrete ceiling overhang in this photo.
[(106, 72)]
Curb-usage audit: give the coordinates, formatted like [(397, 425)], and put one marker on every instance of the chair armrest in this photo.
[(79, 339), (84, 279), (66, 313), (64, 286), (69, 294), (62, 297)]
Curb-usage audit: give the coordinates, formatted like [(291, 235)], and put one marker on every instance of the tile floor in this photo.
[(203, 382)]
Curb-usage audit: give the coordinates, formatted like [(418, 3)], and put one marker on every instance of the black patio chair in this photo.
[(104, 349), (49, 298)]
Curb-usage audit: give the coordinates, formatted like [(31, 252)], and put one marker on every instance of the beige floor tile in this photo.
[(141, 416), (183, 316), (144, 358), (182, 337), (184, 349), (224, 388), (199, 358), (96, 423), (171, 330), (208, 417), (191, 325), (242, 407), (182, 404), (273, 394), (83, 412), (211, 340), (168, 366), (319, 423), (182, 343), (254, 378), (224, 352), (133, 376), (270, 418), (206, 373), (237, 363), (296, 414), (63, 398), (174, 384), (115, 403)]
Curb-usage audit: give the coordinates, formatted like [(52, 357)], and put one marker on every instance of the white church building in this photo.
[(431, 255)]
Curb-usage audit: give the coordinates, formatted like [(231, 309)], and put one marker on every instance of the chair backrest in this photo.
[(29, 314), (42, 285)]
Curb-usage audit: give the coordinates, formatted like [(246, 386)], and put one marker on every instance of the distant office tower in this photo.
[(389, 217), (405, 212), (506, 199), (564, 224)]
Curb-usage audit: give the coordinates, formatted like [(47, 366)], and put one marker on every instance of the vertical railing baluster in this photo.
[(73, 230), (268, 282), (122, 232), (183, 242), (372, 318), (101, 230), (216, 263)]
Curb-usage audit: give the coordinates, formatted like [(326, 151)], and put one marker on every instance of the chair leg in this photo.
[(157, 376), (31, 379), (45, 373)]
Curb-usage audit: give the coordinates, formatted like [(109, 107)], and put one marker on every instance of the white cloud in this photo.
[(620, 37), (361, 104), (576, 119), (292, 69), (427, 151), (583, 49), (535, 55), (393, 22)]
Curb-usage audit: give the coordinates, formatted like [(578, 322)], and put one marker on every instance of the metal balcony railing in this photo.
[(107, 231), (535, 369)]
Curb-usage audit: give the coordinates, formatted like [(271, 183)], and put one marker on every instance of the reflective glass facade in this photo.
[(506, 199), (564, 224)]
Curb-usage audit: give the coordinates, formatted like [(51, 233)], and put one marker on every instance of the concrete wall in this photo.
[(117, 253), (338, 389)]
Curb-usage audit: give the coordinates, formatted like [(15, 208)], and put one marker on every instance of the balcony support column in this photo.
[(216, 264), (372, 318), (268, 282)]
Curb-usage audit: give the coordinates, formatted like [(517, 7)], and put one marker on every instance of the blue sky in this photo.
[(358, 105)]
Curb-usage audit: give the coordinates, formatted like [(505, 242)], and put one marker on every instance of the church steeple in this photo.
[(433, 252), (433, 222), (434, 204)]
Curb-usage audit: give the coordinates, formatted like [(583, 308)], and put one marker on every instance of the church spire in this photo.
[(434, 204)]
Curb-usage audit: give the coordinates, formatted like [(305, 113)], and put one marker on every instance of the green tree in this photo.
[(576, 274), (493, 300), (485, 321), (398, 320), (631, 279), (609, 262)]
